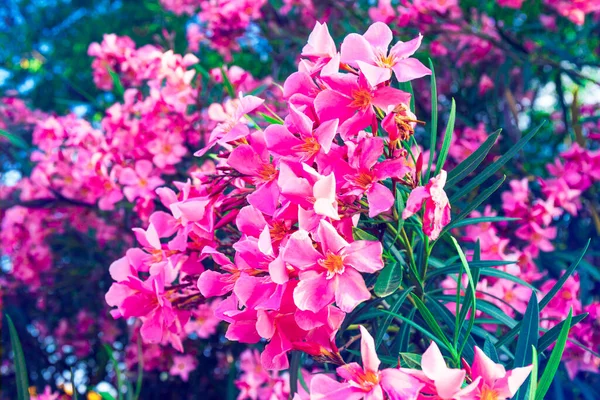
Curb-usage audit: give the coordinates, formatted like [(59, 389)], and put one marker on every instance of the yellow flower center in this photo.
[(361, 99), (385, 61), (333, 263), (267, 173), (310, 147), (488, 393)]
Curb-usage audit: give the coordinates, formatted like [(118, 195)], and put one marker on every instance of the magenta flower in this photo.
[(182, 366), (367, 173), (333, 273), (437, 207), (440, 382), (139, 182), (365, 382), (351, 99), (369, 53), (493, 381)]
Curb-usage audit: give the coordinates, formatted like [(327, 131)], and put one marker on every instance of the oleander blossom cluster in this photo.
[(267, 225)]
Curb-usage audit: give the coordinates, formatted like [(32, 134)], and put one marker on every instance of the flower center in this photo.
[(361, 99), (310, 147), (509, 296), (267, 173), (364, 180), (333, 263), (385, 61), (567, 295), (488, 393)]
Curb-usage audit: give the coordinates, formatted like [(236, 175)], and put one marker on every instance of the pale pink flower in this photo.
[(182, 366), (365, 382), (437, 207), (334, 272), (369, 53)]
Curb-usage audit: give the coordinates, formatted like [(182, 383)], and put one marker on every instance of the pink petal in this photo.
[(513, 380), (367, 350), (484, 367), (379, 35), (398, 385), (409, 69), (406, 49), (299, 251), (364, 256), (374, 74), (280, 141), (351, 290), (250, 221), (331, 105), (330, 239), (212, 283), (245, 160), (325, 134), (415, 201), (355, 48), (380, 199), (323, 387), (278, 271), (314, 294)]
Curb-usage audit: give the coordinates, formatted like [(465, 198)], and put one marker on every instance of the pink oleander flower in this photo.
[(47, 395), (365, 382), (485, 84), (367, 173), (439, 381), (333, 273), (182, 366), (493, 381), (369, 53), (139, 181), (351, 99), (384, 12), (516, 4), (437, 207), (232, 124), (320, 43)]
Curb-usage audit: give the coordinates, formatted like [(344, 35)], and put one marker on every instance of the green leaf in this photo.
[(389, 279), (388, 318), (463, 169), (528, 338), (115, 365), (559, 284), (403, 338), (442, 343), (19, 360), (439, 165), (490, 350), (495, 166), (15, 140), (359, 234), (472, 205), (554, 360), (481, 220), (510, 335), (270, 119), (294, 371), (433, 324), (227, 83), (453, 268), (119, 89), (498, 273), (411, 360), (434, 120), (533, 387), (469, 302), (74, 396), (140, 377), (551, 335)]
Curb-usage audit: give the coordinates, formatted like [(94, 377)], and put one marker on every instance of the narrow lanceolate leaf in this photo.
[(490, 350), (434, 121), (294, 371), (389, 279), (439, 165), (510, 335), (481, 220), (554, 360), (15, 140), (528, 337), (551, 335), (469, 302), (359, 234), (411, 360), (269, 119), (533, 386), (19, 360), (495, 166), (433, 324), (472, 205), (407, 87), (388, 318), (463, 169), (119, 89), (228, 86)]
